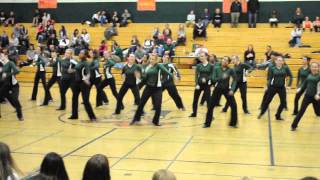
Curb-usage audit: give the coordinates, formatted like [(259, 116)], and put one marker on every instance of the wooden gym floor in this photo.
[(261, 149)]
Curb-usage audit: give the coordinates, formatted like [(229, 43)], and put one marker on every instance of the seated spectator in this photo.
[(206, 18), (156, 33), (148, 45), (52, 167), (197, 52), (110, 32), (250, 56), (30, 57), (95, 18), (296, 34), (169, 48), (167, 32), (16, 30), (36, 18), (50, 30), (163, 174), (23, 38), (46, 17), (64, 44), (4, 39), (62, 32), (75, 37), (298, 17), (85, 37), (307, 24), (52, 41), (97, 168), (116, 50), (191, 19), (159, 49), (268, 53), (181, 35), (199, 30), (134, 43), (217, 18), (103, 18), (140, 53), (115, 18), (14, 41), (103, 47), (125, 18), (41, 34), (11, 19), (3, 17), (160, 40), (8, 168), (316, 24), (274, 19)]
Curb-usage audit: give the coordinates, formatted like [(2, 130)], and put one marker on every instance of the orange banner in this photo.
[(227, 6), (47, 4), (146, 5)]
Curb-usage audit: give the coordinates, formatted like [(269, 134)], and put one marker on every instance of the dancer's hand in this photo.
[(231, 93), (197, 87), (317, 97)]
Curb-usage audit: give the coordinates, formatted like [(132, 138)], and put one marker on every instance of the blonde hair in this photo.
[(163, 174)]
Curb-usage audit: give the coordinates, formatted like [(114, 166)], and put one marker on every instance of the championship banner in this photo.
[(227, 5), (146, 5), (47, 4)]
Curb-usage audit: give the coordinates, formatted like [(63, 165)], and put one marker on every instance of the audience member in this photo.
[(274, 19), (169, 48), (11, 19), (115, 18), (296, 34), (103, 18), (250, 56), (191, 19), (8, 168), (235, 11), (316, 24), (125, 18), (52, 41), (85, 36), (163, 174), (62, 32), (4, 39), (110, 32), (307, 24), (30, 57), (97, 168), (182, 35), (36, 18), (199, 30), (253, 9), (103, 47), (3, 17), (217, 18), (205, 17), (167, 32), (148, 45), (156, 33), (298, 17)]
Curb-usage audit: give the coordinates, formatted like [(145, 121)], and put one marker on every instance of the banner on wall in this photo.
[(47, 4), (227, 4), (146, 5)]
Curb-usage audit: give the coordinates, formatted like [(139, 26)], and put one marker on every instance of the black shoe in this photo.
[(93, 119), (279, 118), (205, 126), (156, 124), (61, 109), (260, 115), (73, 117), (21, 119), (116, 113), (44, 104), (132, 123), (233, 126), (183, 109), (193, 115), (247, 112), (224, 110), (293, 128), (294, 113), (219, 105)]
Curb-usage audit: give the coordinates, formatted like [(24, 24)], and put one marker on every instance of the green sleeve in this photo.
[(270, 76), (95, 65), (111, 62), (13, 69), (290, 76), (139, 69), (234, 80), (197, 74), (162, 68), (303, 86), (216, 75), (40, 61)]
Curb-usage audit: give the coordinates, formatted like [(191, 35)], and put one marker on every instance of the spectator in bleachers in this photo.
[(134, 42), (14, 41), (199, 30), (3, 17), (75, 38), (148, 45), (307, 24), (95, 18), (296, 34), (198, 51), (250, 56), (163, 174), (115, 18), (24, 36), (316, 24), (30, 57), (155, 34), (139, 53), (36, 18), (298, 17), (11, 19), (16, 30), (169, 48), (160, 40), (274, 19), (235, 12), (217, 18), (182, 35), (110, 32), (85, 36), (64, 44), (125, 18), (50, 30), (268, 53), (52, 41), (253, 9), (62, 32), (116, 50), (52, 167), (191, 19), (103, 18), (46, 17), (159, 49), (4, 39), (41, 34), (103, 47), (205, 17), (167, 32), (8, 168), (97, 168)]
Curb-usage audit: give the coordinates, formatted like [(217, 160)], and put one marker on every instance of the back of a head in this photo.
[(6, 162), (53, 166), (163, 174), (309, 178), (97, 168)]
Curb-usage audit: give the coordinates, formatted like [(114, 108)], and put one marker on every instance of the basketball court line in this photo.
[(12, 133), (180, 152), (272, 160)]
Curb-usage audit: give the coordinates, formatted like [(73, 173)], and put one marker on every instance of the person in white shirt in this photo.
[(8, 168), (63, 44), (191, 19), (296, 34), (85, 36)]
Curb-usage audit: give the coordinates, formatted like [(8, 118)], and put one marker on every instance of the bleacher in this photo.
[(225, 41)]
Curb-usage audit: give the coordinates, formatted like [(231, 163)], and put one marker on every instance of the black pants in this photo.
[(243, 91), (101, 95), (11, 93), (123, 90), (206, 90), (156, 93), (39, 75), (296, 101), (264, 98), (65, 84), (84, 89), (174, 94), (54, 79), (109, 82), (305, 103), (271, 92), (217, 93)]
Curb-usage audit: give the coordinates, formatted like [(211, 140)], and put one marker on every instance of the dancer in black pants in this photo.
[(95, 79), (221, 78), (81, 84), (276, 85), (55, 78), (203, 81), (68, 75), (152, 80), (9, 88), (109, 78), (241, 70), (269, 66), (129, 73), (303, 73), (40, 74), (312, 88)]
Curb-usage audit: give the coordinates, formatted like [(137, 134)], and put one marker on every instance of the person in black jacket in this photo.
[(217, 18), (40, 73), (298, 17), (235, 12), (253, 9)]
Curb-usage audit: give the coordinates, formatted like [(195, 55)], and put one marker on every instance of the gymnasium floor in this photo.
[(261, 149)]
